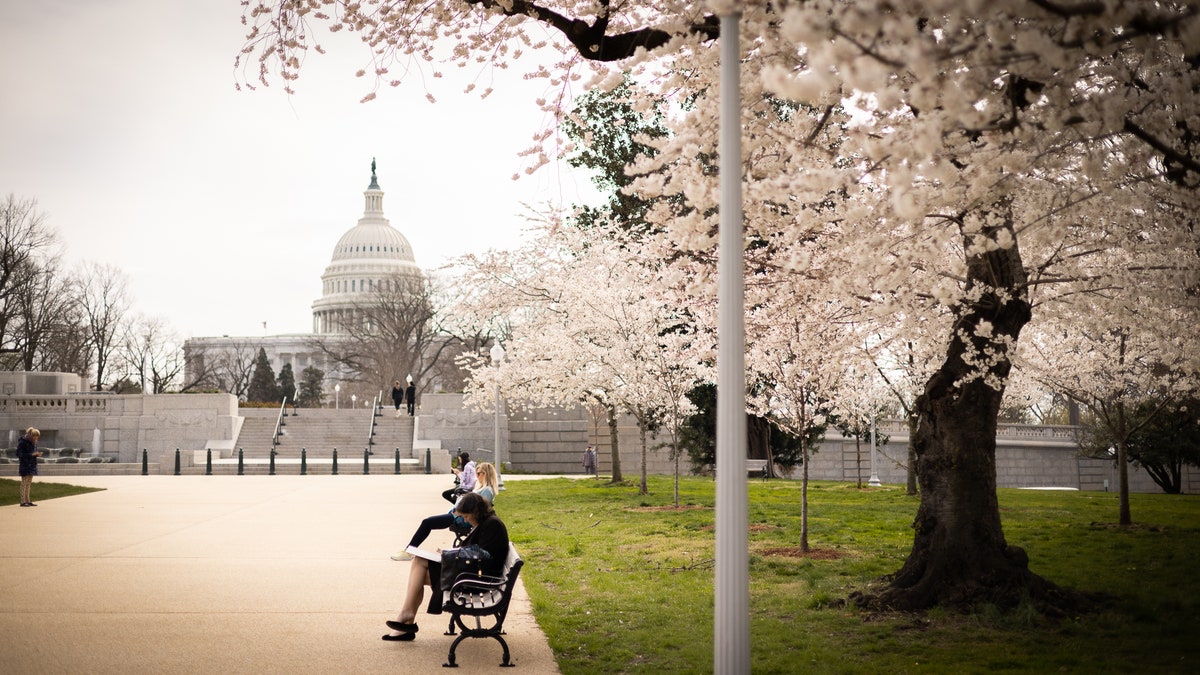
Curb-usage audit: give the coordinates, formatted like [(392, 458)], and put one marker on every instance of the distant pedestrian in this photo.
[(410, 397), (589, 461), (27, 454), (397, 396)]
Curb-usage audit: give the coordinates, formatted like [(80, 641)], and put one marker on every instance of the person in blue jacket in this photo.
[(27, 454)]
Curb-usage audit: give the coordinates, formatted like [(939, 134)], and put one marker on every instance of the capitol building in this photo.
[(369, 260)]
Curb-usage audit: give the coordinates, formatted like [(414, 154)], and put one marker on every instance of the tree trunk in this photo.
[(803, 475), (616, 447), (959, 556), (1124, 516), (804, 493), (642, 487), (675, 454), (858, 460), (911, 471)]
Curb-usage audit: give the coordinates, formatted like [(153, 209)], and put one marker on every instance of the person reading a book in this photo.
[(485, 486), (488, 532)]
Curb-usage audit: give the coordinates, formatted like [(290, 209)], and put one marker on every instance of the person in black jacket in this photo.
[(410, 397), (27, 454), (488, 533), (397, 396)]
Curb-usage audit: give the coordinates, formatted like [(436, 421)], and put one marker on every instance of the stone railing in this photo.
[(1049, 432), (81, 403)]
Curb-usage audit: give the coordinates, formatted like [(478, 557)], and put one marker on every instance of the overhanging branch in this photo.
[(591, 39)]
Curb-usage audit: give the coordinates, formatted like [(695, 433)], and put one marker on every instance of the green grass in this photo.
[(10, 491), (622, 583)]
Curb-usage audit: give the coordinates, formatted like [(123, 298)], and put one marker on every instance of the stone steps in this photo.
[(320, 431)]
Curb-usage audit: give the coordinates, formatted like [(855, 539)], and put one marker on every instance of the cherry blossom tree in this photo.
[(1114, 370), (585, 324), (959, 160), (862, 399)]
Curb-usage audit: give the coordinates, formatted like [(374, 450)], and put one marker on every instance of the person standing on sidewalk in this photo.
[(589, 461), (27, 454)]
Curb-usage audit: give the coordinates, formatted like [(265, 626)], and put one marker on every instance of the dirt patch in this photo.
[(681, 507), (795, 552)]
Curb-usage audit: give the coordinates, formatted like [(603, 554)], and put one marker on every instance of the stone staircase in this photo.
[(319, 431)]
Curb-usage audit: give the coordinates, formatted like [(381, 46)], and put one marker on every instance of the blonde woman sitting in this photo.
[(485, 486)]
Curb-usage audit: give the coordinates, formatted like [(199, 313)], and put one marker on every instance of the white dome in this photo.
[(373, 240), (369, 257)]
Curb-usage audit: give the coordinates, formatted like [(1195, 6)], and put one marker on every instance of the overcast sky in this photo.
[(223, 207)]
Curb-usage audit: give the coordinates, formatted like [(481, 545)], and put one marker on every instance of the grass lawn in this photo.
[(10, 491), (623, 583)]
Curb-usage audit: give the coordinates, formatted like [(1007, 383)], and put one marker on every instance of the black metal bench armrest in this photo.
[(483, 583)]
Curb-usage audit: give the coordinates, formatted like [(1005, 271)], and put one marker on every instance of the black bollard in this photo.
[(240, 472), (208, 463), (303, 462), (145, 463), (176, 461), (366, 461), (428, 462), (335, 461), (271, 471), (397, 461)]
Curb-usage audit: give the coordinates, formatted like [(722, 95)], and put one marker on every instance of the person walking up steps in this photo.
[(397, 396), (410, 397)]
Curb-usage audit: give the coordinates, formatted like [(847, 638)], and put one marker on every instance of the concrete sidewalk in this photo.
[(230, 574)]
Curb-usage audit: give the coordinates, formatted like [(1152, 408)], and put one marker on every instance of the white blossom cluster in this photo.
[(585, 322)]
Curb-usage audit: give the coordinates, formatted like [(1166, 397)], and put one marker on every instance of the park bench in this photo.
[(754, 468), (485, 600), (757, 468)]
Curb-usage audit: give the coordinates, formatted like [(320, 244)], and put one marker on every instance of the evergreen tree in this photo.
[(609, 131), (287, 383), (262, 382), (310, 392)]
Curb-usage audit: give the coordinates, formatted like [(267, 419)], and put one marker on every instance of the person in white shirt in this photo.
[(466, 478)]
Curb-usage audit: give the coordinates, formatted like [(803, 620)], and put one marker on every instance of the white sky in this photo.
[(121, 119)]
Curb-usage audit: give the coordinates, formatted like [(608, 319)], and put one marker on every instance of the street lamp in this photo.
[(337, 396), (874, 480), (353, 400), (497, 355)]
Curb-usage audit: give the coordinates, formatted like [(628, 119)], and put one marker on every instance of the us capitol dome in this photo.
[(371, 258)]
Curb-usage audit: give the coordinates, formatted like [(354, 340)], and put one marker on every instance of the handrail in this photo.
[(371, 430), (278, 425)]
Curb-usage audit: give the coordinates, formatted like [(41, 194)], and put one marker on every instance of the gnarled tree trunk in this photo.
[(959, 556)]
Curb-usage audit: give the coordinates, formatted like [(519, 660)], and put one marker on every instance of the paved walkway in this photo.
[(230, 574)]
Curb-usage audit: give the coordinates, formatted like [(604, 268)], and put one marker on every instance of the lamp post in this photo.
[(353, 400), (731, 611), (874, 480), (337, 396), (497, 355)]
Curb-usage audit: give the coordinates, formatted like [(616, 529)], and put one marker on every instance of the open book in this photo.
[(435, 556)]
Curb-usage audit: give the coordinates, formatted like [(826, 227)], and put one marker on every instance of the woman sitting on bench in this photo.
[(485, 487), (487, 532)]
